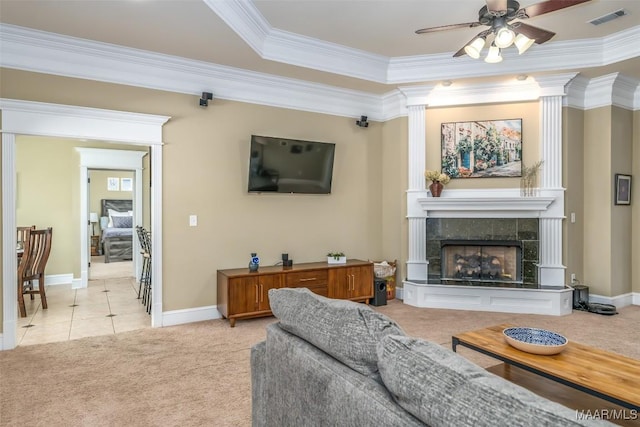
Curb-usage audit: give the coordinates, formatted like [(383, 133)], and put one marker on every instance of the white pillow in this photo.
[(113, 212)]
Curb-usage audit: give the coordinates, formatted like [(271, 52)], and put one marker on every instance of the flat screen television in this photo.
[(283, 165)]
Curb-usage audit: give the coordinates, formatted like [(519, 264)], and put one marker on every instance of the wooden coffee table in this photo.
[(603, 374)]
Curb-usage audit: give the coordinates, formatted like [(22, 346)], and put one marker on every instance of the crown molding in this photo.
[(294, 49), (244, 19), (576, 90), (72, 57), (49, 53), (319, 55), (488, 93)]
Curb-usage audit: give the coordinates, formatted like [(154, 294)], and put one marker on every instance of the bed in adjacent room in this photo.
[(117, 229)]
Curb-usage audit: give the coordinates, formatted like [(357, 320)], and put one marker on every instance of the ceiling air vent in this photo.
[(609, 17)]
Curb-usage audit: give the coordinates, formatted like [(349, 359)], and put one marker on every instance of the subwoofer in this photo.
[(379, 292)]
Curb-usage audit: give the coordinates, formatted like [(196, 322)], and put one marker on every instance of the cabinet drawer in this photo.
[(307, 279)]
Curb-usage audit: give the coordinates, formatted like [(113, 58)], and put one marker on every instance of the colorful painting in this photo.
[(483, 149)]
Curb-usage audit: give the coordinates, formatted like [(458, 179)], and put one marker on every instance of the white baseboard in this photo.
[(190, 315), (619, 301), (58, 279), (2, 343)]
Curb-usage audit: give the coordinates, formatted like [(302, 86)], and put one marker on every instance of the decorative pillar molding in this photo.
[(417, 256), (551, 140), (552, 89)]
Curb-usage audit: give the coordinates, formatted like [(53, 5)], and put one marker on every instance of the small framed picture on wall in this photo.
[(113, 184), (622, 189), (126, 184)]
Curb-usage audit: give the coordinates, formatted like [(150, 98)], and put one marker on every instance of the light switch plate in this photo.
[(193, 220)]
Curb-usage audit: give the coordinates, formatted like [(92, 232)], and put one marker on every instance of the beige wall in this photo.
[(608, 250), (621, 162), (394, 205), (598, 198), (572, 179)]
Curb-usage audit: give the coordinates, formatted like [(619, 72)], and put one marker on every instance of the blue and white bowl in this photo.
[(535, 341)]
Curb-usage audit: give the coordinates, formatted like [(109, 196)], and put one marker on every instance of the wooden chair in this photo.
[(31, 267)]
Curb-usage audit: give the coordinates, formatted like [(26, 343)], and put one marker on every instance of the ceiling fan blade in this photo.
[(496, 5), (547, 6), (448, 27), (461, 51), (538, 34)]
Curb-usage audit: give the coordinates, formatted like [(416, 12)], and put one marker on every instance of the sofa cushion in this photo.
[(441, 388), (346, 330)]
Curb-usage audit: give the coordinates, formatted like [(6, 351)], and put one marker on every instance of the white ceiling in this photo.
[(358, 44)]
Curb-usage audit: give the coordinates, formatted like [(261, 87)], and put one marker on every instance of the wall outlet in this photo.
[(573, 277), (573, 217), (193, 220)]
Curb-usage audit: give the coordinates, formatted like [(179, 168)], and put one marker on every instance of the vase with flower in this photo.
[(438, 181)]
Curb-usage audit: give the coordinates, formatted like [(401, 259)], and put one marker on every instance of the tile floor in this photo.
[(106, 306)]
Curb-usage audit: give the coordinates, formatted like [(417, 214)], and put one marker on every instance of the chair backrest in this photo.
[(25, 256), (36, 252), (144, 237), (21, 235)]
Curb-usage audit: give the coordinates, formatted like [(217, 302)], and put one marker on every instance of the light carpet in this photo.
[(198, 374)]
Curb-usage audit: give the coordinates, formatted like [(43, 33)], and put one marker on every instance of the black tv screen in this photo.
[(290, 166)]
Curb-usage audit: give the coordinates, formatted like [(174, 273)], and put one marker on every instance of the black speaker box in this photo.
[(379, 292)]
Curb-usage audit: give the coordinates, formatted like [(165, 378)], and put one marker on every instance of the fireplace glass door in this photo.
[(481, 262)]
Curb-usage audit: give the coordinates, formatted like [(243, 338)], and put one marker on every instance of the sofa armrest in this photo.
[(258, 380)]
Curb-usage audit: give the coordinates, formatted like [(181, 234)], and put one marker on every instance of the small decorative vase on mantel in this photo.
[(438, 181), (436, 188)]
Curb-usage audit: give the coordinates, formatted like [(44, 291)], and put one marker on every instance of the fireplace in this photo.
[(508, 246), (481, 262)]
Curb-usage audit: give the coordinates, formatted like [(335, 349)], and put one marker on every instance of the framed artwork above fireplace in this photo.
[(482, 149)]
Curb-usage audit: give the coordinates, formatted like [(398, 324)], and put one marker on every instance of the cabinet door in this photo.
[(339, 283), (361, 282), (266, 282), (243, 295)]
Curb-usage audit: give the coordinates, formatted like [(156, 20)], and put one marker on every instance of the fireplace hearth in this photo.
[(481, 262)]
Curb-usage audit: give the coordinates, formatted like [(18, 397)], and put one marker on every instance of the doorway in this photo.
[(34, 118)]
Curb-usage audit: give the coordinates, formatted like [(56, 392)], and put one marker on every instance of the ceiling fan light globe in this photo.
[(474, 48), (523, 43), (493, 57), (504, 37)]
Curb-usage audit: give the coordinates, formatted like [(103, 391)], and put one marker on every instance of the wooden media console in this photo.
[(244, 294)]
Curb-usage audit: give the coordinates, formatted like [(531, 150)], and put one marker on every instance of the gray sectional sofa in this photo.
[(338, 363)]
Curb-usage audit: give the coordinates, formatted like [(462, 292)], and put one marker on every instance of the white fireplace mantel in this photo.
[(485, 203)]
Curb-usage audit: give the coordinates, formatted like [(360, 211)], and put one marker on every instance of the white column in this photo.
[(550, 269), (10, 263), (417, 257)]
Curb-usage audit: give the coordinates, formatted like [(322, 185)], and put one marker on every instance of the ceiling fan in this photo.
[(498, 15)]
